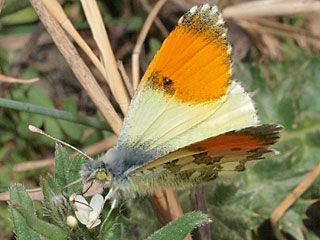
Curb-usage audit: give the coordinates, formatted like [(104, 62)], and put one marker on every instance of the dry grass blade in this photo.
[(292, 197), (125, 78), (160, 207), (32, 165), (270, 8), (1, 5), (7, 79), (266, 26), (198, 203), (34, 194), (174, 206), (166, 206), (56, 10), (157, 21), (141, 38), (96, 148), (78, 66), (115, 82)]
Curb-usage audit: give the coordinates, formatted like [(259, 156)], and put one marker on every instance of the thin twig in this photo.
[(7, 79), (160, 207), (101, 38), (78, 66), (277, 232), (141, 38), (293, 196), (270, 27), (174, 205), (198, 203), (34, 194), (56, 10), (1, 5), (124, 50), (125, 78), (157, 20), (270, 8), (32, 165), (100, 35)]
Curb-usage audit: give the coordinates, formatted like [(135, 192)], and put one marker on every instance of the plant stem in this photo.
[(27, 107)]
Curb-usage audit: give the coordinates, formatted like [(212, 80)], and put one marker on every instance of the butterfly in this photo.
[(188, 122)]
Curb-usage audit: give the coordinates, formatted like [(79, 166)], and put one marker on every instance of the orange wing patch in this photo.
[(252, 137), (251, 143), (201, 58)]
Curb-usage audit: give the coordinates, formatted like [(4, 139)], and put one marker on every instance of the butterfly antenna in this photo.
[(37, 130)]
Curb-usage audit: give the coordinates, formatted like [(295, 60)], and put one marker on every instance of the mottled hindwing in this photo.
[(206, 160)]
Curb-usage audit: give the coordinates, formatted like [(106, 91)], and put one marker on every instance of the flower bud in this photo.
[(72, 221)]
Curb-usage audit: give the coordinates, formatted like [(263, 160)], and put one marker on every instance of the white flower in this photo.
[(88, 214)]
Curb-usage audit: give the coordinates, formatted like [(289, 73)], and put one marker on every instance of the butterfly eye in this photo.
[(102, 175)]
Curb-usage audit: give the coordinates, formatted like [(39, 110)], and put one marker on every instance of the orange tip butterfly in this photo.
[(188, 122)]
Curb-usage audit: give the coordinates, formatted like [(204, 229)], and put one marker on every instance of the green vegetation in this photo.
[(285, 92)]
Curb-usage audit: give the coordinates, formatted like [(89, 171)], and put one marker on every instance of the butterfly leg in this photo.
[(111, 195)]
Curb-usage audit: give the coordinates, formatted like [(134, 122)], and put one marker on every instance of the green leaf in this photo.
[(48, 195), (45, 229), (110, 230), (180, 228), (155, 45), (73, 130), (295, 216), (134, 24), (22, 127), (26, 15), (289, 97), (3, 152), (18, 195), (6, 136), (36, 97), (51, 126), (70, 105), (54, 186), (14, 6), (115, 233), (5, 62), (312, 236), (4, 189), (36, 120), (5, 222), (62, 163), (73, 173), (30, 73)]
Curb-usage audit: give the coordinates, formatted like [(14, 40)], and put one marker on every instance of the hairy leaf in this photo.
[(288, 97), (179, 228), (18, 195)]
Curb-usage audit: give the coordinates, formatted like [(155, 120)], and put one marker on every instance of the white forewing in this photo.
[(161, 125)]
